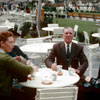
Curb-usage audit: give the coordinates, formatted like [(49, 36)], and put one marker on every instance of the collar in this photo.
[(2, 51), (67, 44)]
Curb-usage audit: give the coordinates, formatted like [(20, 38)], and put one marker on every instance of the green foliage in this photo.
[(80, 36), (25, 29), (33, 33), (49, 8), (46, 8)]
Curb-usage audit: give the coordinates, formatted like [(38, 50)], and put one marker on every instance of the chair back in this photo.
[(86, 36), (48, 52), (65, 93), (58, 32), (76, 30), (53, 25)]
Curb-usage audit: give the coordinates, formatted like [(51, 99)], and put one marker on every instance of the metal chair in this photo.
[(92, 50), (65, 93), (86, 36), (53, 25), (57, 32), (76, 30)]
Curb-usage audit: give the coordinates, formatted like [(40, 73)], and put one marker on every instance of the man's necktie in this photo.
[(68, 55)]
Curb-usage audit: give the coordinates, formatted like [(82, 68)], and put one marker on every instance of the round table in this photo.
[(8, 25), (62, 81), (4, 27), (51, 29), (37, 47), (96, 35)]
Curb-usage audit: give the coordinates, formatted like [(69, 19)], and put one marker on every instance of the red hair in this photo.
[(4, 35)]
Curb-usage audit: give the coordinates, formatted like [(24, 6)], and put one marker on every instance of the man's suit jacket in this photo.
[(78, 59)]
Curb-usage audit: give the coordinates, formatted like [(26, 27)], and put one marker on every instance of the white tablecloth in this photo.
[(96, 35), (64, 80), (37, 47), (51, 28)]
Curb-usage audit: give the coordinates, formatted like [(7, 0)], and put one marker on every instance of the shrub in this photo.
[(25, 29)]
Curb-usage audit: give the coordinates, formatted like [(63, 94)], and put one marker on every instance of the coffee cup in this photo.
[(71, 71), (59, 68)]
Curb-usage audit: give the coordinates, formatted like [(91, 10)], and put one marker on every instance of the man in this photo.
[(68, 54), (9, 68)]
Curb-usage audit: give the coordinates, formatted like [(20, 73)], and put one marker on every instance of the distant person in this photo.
[(70, 10), (67, 11), (28, 10), (74, 58), (9, 68)]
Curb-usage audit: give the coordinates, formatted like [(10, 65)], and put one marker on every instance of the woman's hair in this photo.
[(4, 35)]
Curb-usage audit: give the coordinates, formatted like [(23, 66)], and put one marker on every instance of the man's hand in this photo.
[(77, 71), (54, 67)]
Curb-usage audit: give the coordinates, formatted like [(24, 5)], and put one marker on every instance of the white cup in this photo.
[(47, 78), (54, 76), (71, 71), (59, 68)]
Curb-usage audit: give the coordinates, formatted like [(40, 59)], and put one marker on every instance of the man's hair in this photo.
[(4, 35), (69, 28)]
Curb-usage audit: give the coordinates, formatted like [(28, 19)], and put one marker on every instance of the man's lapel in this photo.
[(63, 51)]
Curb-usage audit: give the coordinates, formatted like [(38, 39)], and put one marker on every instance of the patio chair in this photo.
[(76, 30), (93, 51), (86, 36), (53, 25), (65, 93), (57, 33)]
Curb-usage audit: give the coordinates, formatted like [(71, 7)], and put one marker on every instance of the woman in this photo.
[(9, 68), (18, 54)]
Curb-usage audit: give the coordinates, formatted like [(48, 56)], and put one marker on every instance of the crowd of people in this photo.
[(15, 64)]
